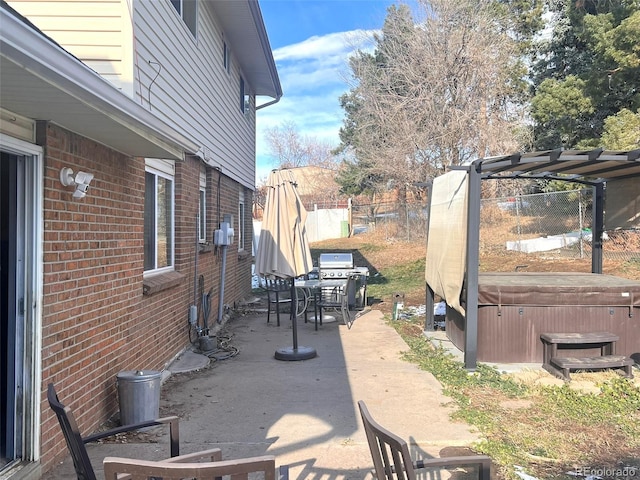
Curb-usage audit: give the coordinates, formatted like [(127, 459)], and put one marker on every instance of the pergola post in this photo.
[(597, 228), (473, 260), (429, 314)]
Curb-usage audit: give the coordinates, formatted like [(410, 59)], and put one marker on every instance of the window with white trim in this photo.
[(188, 10), (202, 208), (241, 212), (158, 216)]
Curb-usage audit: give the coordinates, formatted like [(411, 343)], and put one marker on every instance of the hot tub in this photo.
[(515, 308)]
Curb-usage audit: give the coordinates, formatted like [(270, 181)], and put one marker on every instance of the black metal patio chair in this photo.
[(76, 443), (338, 297), (278, 293)]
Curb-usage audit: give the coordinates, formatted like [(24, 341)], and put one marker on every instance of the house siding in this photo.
[(100, 313), (179, 78), (186, 85), (97, 320), (98, 32)]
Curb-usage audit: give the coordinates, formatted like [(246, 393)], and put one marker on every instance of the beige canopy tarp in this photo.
[(622, 204), (447, 242)]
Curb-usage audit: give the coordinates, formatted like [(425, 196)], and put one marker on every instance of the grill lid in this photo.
[(335, 260)]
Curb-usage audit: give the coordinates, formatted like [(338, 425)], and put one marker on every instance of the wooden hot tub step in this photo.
[(565, 364)]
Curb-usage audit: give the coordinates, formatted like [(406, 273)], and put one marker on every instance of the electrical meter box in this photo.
[(224, 235)]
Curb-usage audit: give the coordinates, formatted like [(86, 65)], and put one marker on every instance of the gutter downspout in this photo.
[(268, 54), (272, 102)]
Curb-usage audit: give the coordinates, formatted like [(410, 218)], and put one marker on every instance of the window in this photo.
[(202, 211), (245, 102), (240, 234), (226, 57), (158, 216), (188, 10), (242, 104)]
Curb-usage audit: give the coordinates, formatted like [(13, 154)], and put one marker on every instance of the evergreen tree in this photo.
[(588, 72)]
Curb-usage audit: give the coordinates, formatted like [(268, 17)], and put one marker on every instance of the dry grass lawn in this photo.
[(554, 433)]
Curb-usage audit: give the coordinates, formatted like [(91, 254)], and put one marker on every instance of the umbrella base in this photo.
[(292, 354), (325, 318)]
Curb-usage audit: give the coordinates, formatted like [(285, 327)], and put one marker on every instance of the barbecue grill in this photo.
[(336, 266)]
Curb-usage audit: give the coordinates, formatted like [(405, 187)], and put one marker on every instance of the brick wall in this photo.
[(97, 320)]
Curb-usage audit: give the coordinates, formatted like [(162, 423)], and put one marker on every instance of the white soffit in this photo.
[(243, 27)]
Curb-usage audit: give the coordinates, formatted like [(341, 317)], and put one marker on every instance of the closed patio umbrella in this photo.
[(283, 249)]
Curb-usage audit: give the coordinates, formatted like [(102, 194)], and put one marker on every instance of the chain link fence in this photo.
[(558, 224), (407, 222), (554, 225)]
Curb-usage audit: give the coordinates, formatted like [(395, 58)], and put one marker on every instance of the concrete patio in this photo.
[(303, 412)]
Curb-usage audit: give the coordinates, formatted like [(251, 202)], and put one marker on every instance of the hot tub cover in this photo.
[(560, 288)]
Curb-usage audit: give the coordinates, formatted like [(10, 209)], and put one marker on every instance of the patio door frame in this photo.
[(26, 228)]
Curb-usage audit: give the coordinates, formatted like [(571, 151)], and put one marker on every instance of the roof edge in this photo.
[(256, 13)]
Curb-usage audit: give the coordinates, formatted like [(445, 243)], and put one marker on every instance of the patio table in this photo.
[(313, 288)]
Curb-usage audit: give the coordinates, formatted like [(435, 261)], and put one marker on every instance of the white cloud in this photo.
[(321, 47), (312, 74)]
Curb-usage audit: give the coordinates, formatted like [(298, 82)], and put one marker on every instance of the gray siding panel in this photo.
[(186, 84), (179, 78)]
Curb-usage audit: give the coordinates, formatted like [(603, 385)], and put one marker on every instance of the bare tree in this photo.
[(437, 91), (259, 201), (312, 160), (291, 149)]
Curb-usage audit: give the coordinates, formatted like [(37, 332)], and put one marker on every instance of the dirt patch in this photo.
[(516, 404)]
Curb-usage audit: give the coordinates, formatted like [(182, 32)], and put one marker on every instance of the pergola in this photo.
[(589, 167)]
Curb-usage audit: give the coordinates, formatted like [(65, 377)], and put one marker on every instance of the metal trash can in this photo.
[(139, 395)]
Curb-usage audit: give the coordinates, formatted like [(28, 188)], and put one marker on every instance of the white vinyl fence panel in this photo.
[(321, 225), (326, 224)]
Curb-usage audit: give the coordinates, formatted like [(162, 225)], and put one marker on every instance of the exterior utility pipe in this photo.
[(222, 276)]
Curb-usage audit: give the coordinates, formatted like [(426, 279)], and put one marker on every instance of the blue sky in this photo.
[(311, 41)]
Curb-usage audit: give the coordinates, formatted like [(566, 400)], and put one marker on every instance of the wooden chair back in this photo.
[(392, 459), (263, 468)]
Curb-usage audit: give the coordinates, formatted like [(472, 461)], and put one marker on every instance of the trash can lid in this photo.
[(139, 375)]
